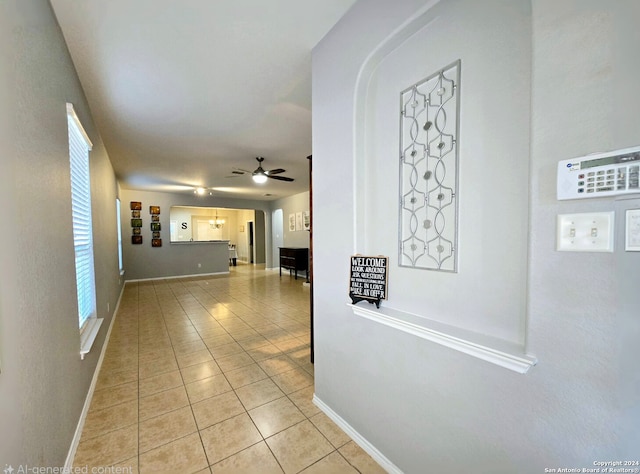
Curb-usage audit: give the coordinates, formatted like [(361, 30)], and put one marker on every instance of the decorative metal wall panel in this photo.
[(429, 126)]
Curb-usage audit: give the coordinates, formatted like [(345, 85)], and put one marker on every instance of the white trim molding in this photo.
[(502, 353), (89, 334), (174, 277), (370, 449), (71, 112), (87, 401)]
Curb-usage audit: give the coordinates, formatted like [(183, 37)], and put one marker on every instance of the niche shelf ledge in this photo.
[(502, 353)]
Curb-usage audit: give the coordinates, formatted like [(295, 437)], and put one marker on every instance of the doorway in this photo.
[(250, 242), (277, 235)]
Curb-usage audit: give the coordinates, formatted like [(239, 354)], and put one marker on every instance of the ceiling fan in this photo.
[(260, 175)]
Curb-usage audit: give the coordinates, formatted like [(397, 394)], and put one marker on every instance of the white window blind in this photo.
[(79, 147), (119, 230)]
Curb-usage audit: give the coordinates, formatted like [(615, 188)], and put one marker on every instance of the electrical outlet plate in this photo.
[(588, 232)]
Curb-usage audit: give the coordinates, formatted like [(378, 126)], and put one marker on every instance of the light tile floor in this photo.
[(212, 375)]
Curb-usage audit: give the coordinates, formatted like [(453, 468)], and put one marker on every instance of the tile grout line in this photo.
[(193, 299)]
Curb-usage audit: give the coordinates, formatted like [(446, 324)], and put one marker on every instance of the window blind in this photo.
[(119, 230), (79, 147)]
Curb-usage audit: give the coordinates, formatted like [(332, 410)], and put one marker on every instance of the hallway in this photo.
[(212, 374)]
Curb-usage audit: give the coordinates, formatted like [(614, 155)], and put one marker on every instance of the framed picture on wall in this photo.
[(136, 231), (136, 222), (155, 227), (135, 205), (136, 239), (135, 214), (299, 220), (155, 218), (155, 235), (306, 220), (292, 222), (156, 242), (154, 209)]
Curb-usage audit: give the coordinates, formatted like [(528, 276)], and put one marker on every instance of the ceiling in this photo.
[(185, 92)]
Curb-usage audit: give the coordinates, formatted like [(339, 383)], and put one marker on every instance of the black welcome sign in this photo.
[(368, 279)]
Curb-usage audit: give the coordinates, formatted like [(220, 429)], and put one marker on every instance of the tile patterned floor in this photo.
[(212, 375)]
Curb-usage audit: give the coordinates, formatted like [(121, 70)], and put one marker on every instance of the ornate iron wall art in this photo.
[(429, 123)]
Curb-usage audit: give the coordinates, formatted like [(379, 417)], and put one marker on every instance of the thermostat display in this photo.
[(599, 175)]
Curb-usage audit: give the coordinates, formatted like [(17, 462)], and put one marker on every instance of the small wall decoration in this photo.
[(299, 220), (241, 229), (368, 279), (306, 220), (292, 222), (156, 241), (136, 223)]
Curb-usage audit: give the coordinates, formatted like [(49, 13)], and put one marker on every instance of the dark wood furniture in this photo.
[(294, 259)]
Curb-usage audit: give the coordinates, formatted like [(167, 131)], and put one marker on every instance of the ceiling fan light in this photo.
[(200, 191), (259, 178)]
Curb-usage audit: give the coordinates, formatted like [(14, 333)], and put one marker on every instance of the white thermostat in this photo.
[(600, 174)]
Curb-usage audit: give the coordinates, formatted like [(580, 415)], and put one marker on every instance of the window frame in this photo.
[(80, 179), (119, 231)]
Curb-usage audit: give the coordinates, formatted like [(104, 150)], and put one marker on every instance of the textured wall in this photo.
[(428, 408), (291, 205), (144, 261), (493, 163), (41, 366), (581, 321)]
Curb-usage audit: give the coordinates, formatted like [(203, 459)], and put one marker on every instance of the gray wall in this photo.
[(291, 205), (43, 384), (300, 238), (144, 261), (260, 235), (424, 406), (583, 313)]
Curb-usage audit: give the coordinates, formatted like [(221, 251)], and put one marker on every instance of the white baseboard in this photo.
[(87, 402), (370, 449), (177, 276)]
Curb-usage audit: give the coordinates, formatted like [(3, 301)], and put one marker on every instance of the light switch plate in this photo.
[(588, 232)]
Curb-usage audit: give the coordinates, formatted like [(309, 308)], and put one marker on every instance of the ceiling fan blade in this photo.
[(276, 171), (240, 169), (280, 178)]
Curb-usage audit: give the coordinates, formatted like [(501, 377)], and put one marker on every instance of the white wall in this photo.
[(583, 313), (43, 383), (494, 149), (426, 407), (187, 214)]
